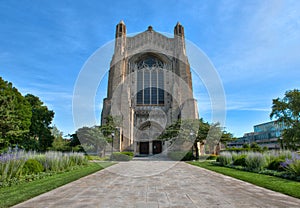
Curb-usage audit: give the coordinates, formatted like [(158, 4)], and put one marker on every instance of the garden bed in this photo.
[(15, 194), (281, 185)]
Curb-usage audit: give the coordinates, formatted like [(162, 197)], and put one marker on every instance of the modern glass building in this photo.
[(265, 135)]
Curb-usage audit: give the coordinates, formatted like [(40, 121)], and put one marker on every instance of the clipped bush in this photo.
[(240, 160), (212, 157), (118, 156), (225, 158), (255, 161), (275, 164), (180, 155), (32, 166), (130, 154)]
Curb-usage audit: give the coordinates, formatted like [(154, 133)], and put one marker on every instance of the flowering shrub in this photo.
[(285, 164), (12, 163), (255, 161), (275, 164), (292, 165)]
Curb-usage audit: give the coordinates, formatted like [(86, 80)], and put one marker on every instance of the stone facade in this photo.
[(149, 88)]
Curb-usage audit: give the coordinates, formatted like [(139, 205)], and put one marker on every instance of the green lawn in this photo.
[(18, 193), (281, 185)]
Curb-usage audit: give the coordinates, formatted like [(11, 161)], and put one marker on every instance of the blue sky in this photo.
[(254, 46)]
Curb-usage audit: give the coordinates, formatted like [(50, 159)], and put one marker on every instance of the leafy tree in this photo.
[(254, 145), (74, 140), (287, 112), (59, 143), (74, 143), (201, 135), (92, 139), (196, 131), (171, 131), (41, 119), (15, 115), (109, 126), (246, 146)]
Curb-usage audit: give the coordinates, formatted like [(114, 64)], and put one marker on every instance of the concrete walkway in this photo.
[(143, 183)]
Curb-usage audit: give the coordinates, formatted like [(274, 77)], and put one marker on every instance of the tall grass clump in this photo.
[(15, 165), (225, 158), (255, 161), (293, 165), (58, 161), (11, 165), (285, 154)]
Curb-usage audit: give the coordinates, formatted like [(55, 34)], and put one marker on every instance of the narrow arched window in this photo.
[(150, 82)]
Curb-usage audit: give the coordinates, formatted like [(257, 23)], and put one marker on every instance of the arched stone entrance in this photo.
[(146, 140)]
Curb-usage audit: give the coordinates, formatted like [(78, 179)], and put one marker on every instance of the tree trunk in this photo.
[(197, 150)]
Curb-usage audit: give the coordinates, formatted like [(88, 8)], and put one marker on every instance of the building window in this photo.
[(150, 82)]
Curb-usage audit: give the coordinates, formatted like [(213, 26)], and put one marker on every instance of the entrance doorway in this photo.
[(157, 147), (144, 148)]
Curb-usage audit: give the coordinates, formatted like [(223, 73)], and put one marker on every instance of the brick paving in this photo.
[(146, 183)]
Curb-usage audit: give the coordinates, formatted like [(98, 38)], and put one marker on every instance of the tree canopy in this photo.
[(24, 120), (15, 115), (196, 131), (286, 111)]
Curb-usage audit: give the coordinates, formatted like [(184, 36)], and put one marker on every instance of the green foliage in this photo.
[(59, 143), (58, 161), (194, 131), (109, 126), (255, 161), (294, 167), (13, 166), (96, 157), (246, 146), (240, 160), (171, 131), (118, 156), (285, 154), (181, 155), (270, 182), (130, 154), (212, 157), (92, 139), (287, 112), (275, 164), (254, 145), (32, 166), (40, 121), (15, 115), (36, 185), (225, 158)]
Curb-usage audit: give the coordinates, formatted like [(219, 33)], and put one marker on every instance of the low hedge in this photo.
[(119, 156), (240, 161), (181, 155), (276, 164), (212, 157), (32, 166), (130, 154)]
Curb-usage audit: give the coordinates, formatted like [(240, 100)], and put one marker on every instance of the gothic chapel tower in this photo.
[(149, 88)]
